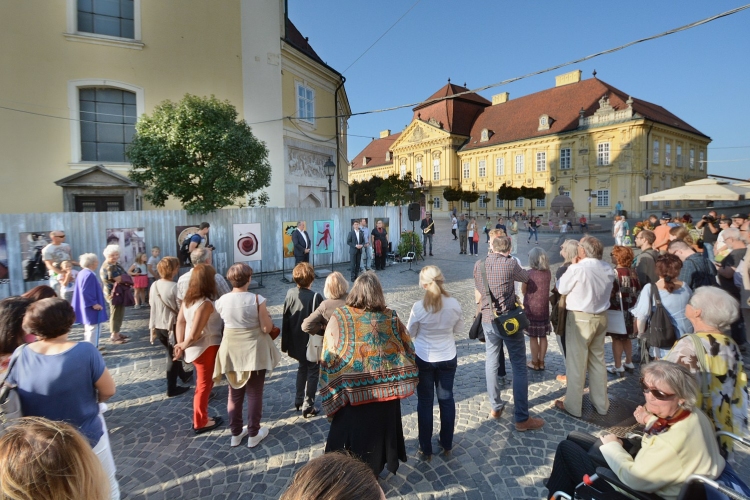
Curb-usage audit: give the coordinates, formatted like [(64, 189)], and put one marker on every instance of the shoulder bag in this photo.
[(10, 402), (659, 331), (275, 331), (476, 332), (616, 319), (172, 339), (315, 343), (510, 322), (122, 292)]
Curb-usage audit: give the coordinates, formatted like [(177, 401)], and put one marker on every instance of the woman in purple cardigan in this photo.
[(88, 299)]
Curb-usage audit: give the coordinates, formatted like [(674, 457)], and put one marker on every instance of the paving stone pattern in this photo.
[(159, 457)]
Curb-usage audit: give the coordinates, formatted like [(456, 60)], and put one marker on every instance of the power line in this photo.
[(381, 36)]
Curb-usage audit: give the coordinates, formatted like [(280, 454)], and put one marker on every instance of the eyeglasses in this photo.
[(661, 396)]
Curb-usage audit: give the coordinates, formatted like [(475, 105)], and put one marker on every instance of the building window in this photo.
[(499, 166), (701, 160), (692, 158), (107, 17), (108, 119), (519, 202), (519, 164), (602, 154), (667, 154), (387, 156), (305, 103), (436, 202), (466, 170), (565, 159), (403, 171), (541, 203), (541, 162), (499, 203), (678, 160), (418, 170), (467, 204), (485, 135), (436, 169), (482, 201), (655, 158), (602, 198), (482, 168)]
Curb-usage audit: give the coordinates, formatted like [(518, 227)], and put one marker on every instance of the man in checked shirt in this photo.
[(502, 273)]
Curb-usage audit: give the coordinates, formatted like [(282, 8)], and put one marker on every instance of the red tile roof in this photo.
[(456, 114), (518, 119), (375, 152)]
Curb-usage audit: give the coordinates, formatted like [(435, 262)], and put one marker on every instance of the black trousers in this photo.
[(307, 384), (380, 261), (356, 258), (174, 368), (572, 462)]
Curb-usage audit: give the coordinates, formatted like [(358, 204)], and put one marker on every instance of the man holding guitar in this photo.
[(428, 229)]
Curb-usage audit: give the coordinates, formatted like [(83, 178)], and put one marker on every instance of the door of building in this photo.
[(100, 204)]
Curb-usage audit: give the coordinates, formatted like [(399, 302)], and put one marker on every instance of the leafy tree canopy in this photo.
[(394, 190), (196, 151), (362, 193), (452, 194), (469, 196), (509, 193)]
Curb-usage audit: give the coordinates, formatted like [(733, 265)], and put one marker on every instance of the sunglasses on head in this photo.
[(661, 396)]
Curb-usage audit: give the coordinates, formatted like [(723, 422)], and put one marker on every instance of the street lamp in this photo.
[(486, 194), (591, 196), (330, 169)]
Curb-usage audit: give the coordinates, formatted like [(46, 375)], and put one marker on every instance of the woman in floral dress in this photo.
[(536, 306), (628, 285)]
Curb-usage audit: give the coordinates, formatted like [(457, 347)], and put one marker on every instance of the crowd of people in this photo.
[(357, 359)]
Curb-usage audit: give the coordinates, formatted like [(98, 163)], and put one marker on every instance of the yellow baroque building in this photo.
[(582, 138), (75, 76)]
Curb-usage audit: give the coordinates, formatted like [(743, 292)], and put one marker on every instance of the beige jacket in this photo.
[(316, 323)]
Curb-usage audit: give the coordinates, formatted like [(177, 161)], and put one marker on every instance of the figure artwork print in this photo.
[(323, 236), (31, 255), (247, 242), (4, 271), (132, 241), (287, 228)]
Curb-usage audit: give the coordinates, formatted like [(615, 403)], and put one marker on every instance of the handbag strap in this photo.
[(156, 287), (700, 353), (487, 287)]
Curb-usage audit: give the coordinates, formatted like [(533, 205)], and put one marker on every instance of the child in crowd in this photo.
[(153, 261), (139, 272), (67, 280)]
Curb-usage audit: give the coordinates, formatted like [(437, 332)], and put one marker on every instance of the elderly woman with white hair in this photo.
[(88, 299), (110, 273), (536, 305), (714, 358), (433, 323), (678, 441)]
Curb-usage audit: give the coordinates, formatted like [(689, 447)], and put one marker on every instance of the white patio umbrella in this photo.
[(703, 190)]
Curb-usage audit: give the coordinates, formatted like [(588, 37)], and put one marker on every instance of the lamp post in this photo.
[(591, 196), (330, 169), (486, 194)]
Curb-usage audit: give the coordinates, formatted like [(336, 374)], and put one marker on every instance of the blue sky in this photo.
[(701, 75)]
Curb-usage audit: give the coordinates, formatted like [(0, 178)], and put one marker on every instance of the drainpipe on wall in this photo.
[(338, 146)]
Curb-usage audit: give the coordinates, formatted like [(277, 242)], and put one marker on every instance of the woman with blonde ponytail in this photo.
[(433, 323)]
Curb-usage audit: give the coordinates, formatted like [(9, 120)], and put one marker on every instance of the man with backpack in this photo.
[(646, 261), (696, 271), (193, 241)]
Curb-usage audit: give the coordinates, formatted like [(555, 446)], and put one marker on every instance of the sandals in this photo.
[(537, 367), (122, 339)]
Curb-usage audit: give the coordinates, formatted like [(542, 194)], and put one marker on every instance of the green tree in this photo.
[(469, 197), (535, 193), (362, 193), (394, 190), (452, 195), (508, 193), (198, 152)]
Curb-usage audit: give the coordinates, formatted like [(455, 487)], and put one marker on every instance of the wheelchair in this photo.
[(695, 488)]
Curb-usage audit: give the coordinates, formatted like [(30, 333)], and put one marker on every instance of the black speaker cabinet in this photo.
[(414, 212)]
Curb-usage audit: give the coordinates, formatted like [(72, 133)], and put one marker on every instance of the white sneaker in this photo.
[(254, 441), (614, 370), (628, 366), (137, 306), (236, 440)]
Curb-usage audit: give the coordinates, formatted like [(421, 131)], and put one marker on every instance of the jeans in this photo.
[(533, 232), (307, 384), (708, 251), (516, 345), (425, 239), (254, 391), (436, 377), (473, 246), (366, 257)]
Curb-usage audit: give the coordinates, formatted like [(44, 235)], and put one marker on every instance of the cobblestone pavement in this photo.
[(159, 457)]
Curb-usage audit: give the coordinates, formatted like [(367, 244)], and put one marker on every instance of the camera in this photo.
[(211, 247), (708, 218)]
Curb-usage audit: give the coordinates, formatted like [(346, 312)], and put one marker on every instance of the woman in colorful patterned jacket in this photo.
[(716, 361), (368, 365)]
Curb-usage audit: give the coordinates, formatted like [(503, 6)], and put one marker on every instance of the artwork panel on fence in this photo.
[(182, 232), (359, 219), (4, 270), (31, 255), (287, 228), (132, 241), (247, 242), (323, 236)]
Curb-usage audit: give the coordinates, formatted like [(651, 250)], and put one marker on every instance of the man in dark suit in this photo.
[(428, 229), (302, 245), (355, 240)]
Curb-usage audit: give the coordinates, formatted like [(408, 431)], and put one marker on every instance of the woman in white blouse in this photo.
[(433, 323)]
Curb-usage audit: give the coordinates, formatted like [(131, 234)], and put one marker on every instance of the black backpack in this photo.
[(659, 331), (185, 250)]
